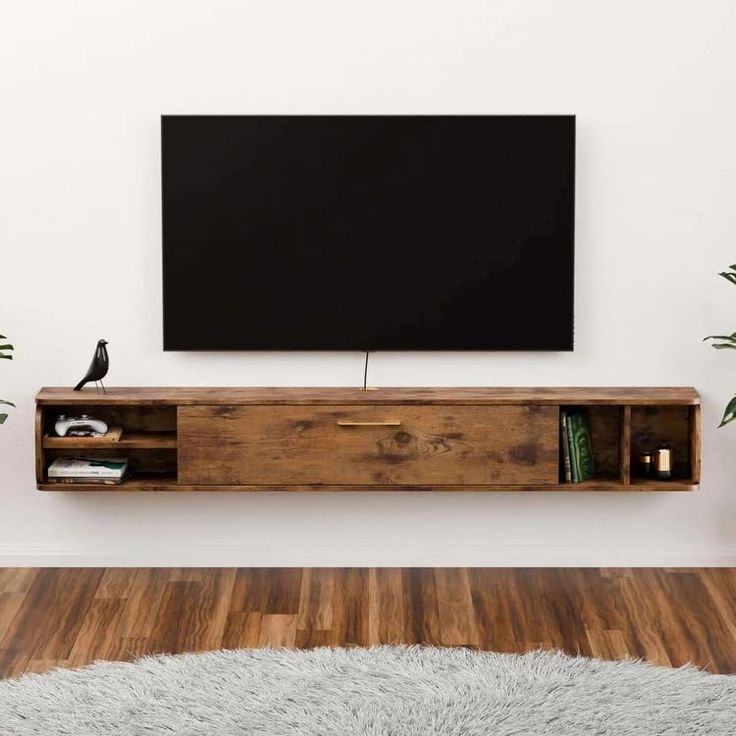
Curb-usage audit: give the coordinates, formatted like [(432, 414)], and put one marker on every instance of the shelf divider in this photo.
[(695, 432), (624, 449), (128, 441)]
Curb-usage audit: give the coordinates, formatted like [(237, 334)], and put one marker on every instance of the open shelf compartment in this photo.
[(677, 427), (619, 433), (148, 440), (606, 425)]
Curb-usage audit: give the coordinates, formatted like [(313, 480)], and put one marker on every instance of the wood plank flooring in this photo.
[(69, 617)]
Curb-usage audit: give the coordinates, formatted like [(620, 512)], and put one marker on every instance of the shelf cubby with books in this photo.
[(602, 424), (619, 434), (143, 435)]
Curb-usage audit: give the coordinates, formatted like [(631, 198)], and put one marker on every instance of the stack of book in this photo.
[(88, 470), (576, 447)]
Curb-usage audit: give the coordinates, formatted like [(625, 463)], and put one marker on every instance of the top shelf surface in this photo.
[(187, 396)]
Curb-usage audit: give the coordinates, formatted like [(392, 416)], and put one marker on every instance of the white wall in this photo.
[(82, 85)]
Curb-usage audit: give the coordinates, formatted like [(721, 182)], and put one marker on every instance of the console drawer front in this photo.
[(368, 445)]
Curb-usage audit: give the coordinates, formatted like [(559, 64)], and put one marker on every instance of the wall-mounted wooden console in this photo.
[(345, 439)]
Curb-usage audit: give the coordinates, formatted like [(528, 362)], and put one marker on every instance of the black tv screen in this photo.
[(368, 232)]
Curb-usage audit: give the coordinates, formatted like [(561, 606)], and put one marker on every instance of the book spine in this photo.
[(86, 472), (92, 481), (582, 447), (569, 420), (587, 463), (566, 468)]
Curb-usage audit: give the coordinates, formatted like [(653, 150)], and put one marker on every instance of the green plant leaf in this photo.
[(730, 338), (730, 413), (728, 341), (5, 350)]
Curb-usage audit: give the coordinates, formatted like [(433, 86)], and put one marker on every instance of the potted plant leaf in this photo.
[(6, 350), (727, 342)]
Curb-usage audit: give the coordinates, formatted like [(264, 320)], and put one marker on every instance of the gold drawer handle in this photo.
[(385, 423)]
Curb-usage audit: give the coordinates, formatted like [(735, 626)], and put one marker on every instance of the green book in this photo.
[(581, 448), (565, 449), (570, 447)]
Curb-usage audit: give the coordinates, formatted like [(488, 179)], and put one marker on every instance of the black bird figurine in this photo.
[(97, 368)]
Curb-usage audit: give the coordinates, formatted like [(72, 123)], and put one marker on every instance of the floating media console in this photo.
[(392, 439)]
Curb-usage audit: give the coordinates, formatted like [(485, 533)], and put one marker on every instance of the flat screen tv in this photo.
[(310, 232)]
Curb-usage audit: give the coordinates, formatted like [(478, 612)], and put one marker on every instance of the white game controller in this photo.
[(82, 426)]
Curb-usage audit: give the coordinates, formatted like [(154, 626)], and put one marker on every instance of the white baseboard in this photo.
[(209, 555)]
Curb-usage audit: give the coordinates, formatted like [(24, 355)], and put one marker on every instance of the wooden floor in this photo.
[(69, 617)]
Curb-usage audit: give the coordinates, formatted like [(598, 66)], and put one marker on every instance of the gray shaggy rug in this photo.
[(394, 691)]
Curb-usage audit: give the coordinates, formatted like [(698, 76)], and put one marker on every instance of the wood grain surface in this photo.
[(153, 483), (347, 395), (422, 439), (69, 617), (420, 445)]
